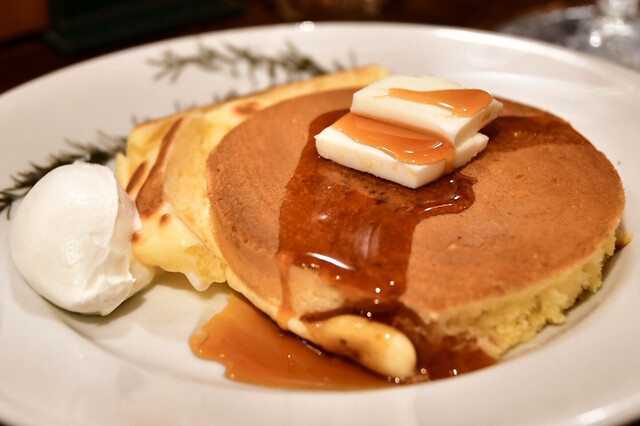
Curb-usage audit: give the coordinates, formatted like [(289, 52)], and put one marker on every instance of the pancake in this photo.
[(413, 284)]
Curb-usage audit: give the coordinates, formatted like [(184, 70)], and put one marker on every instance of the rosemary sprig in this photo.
[(293, 63), (100, 152)]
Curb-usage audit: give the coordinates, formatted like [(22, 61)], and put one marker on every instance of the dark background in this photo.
[(40, 36)]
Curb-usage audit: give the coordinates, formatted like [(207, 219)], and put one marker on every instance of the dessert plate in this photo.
[(135, 366)]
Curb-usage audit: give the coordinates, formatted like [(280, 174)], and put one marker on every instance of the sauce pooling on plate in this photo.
[(255, 350)]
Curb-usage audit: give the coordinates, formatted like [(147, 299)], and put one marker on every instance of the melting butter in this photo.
[(410, 130)]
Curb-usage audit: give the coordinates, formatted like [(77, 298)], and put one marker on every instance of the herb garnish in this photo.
[(231, 59)]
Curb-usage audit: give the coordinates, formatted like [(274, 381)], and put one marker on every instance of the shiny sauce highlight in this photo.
[(407, 145), (460, 102)]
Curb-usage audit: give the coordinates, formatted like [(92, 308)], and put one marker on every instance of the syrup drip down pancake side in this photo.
[(416, 284)]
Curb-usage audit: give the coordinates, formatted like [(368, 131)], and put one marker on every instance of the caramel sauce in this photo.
[(403, 144), (356, 231), (438, 357), (460, 102), (256, 351)]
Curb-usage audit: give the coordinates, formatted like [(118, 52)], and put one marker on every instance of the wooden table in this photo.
[(30, 56)]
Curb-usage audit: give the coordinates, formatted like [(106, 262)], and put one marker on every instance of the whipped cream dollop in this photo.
[(71, 240)]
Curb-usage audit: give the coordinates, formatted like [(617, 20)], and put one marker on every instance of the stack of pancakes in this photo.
[(409, 283)]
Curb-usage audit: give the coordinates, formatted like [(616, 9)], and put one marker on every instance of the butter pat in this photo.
[(374, 101), (421, 105), (335, 145)]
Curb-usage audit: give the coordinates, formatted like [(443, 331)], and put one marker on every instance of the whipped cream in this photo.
[(71, 240)]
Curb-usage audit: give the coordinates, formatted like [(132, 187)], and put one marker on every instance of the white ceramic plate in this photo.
[(135, 367)]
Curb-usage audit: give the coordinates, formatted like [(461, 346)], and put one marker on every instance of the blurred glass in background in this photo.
[(609, 29)]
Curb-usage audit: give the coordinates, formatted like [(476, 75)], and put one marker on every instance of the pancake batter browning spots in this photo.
[(137, 178), (164, 219), (247, 108), (150, 197)]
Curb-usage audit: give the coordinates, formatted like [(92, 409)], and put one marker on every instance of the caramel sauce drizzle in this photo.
[(255, 350), (356, 231), (460, 102), (353, 228), (403, 144)]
